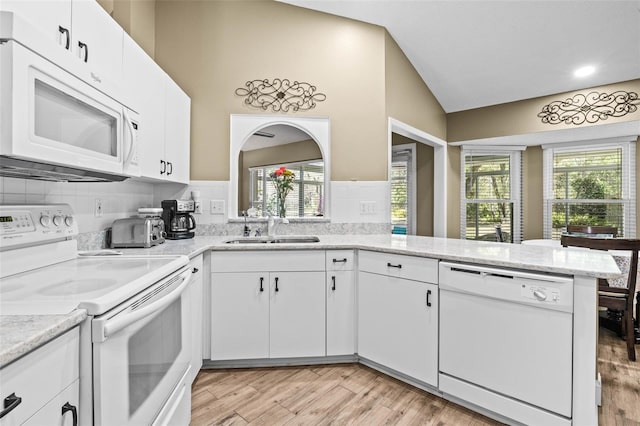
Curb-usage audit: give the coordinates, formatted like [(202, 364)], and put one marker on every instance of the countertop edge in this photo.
[(39, 328)]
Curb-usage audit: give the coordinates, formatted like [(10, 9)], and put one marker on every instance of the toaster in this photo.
[(137, 232)]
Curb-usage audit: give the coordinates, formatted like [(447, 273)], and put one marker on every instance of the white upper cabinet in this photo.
[(51, 17), (177, 133), (144, 83), (96, 40), (85, 30)]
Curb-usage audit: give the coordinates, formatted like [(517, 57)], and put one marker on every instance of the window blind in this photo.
[(589, 185), (491, 194), (402, 190)]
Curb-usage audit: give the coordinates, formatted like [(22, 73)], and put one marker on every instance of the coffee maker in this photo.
[(178, 220)]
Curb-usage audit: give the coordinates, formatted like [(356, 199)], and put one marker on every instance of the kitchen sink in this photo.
[(289, 239)]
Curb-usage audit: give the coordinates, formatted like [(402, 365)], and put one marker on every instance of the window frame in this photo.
[(411, 184), (628, 179), (515, 186), (266, 182)]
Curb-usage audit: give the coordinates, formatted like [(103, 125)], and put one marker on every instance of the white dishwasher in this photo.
[(506, 341)]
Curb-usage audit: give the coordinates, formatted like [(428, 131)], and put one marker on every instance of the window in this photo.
[(402, 189), (589, 185), (491, 194), (305, 200)]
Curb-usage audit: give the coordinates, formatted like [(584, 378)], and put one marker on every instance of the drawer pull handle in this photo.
[(333, 285), (194, 270), (428, 301), (261, 281), (10, 402), (390, 265), (74, 412), (277, 289), (340, 260)]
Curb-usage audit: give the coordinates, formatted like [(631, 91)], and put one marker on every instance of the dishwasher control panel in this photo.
[(540, 293), (542, 290)]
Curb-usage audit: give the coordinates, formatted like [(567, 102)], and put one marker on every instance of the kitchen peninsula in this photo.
[(409, 260)]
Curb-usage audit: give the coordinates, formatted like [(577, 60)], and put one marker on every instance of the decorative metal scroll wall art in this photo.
[(280, 95), (590, 108)]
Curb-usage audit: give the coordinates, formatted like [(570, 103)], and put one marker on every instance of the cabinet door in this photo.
[(96, 39), (396, 327), (196, 318), (297, 318), (340, 313), (239, 316), (144, 84), (51, 17), (177, 133)]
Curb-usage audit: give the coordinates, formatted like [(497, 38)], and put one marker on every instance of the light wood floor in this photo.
[(355, 394)]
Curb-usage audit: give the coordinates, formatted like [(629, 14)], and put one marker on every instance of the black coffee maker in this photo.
[(178, 220)]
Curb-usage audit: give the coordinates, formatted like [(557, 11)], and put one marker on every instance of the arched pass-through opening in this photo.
[(243, 126)]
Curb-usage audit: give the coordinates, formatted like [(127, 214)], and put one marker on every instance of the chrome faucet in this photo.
[(246, 232), (273, 223)]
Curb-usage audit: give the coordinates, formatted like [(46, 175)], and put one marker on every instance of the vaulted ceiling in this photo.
[(478, 53)]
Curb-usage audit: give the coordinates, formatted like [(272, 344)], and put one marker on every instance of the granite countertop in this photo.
[(557, 260), (21, 334)]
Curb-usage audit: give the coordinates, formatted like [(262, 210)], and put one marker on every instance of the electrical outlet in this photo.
[(217, 206), (198, 207), (98, 208), (367, 207)]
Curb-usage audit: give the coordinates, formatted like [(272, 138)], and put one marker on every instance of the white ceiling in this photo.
[(476, 53)]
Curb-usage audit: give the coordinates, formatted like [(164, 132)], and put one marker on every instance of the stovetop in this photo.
[(93, 283)]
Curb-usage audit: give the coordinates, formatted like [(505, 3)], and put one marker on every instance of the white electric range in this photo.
[(137, 334)]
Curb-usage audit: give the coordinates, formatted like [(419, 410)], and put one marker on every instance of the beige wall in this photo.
[(211, 48), (276, 155), (532, 193), (408, 98), (521, 118), (453, 192)]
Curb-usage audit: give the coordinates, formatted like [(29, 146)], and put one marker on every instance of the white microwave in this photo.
[(54, 126)]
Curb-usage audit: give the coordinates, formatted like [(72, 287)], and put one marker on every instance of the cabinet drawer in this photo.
[(267, 261), (40, 376), (340, 260), (395, 265)]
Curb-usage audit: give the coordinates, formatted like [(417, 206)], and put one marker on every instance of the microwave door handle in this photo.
[(132, 137), (112, 326)]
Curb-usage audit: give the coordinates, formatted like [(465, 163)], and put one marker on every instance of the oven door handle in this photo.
[(111, 327)]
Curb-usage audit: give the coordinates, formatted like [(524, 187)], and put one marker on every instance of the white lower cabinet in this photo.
[(275, 308), (43, 386), (398, 317), (239, 315), (341, 302), (297, 316)]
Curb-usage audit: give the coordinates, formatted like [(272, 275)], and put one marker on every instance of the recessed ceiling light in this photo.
[(584, 71)]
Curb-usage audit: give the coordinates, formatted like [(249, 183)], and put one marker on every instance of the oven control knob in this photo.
[(68, 220), (57, 220), (45, 220)]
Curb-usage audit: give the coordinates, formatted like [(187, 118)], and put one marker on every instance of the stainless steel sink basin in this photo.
[(288, 239), (296, 239)]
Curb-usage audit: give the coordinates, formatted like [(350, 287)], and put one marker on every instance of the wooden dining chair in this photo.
[(592, 231), (615, 297)]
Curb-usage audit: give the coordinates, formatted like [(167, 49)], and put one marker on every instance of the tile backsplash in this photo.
[(356, 207)]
